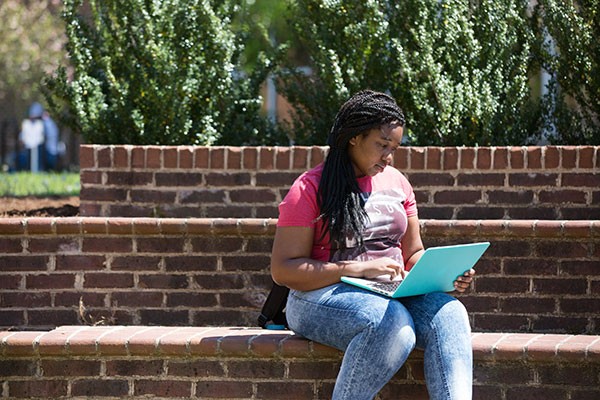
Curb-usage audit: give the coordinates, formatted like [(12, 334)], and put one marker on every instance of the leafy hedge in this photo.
[(173, 72)]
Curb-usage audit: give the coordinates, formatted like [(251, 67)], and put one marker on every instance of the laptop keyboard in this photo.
[(386, 287)]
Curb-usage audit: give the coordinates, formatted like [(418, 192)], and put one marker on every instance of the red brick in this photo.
[(104, 155), (153, 157), (569, 156), (169, 157), (317, 155), (86, 157), (162, 388), (128, 368), (250, 158), (27, 299), (121, 157), (53, 245), (234, 157), (502, 285), (300, 158), (534, 157), (581, 180), (97, 387), (52, 317), (484, 158), (504, 374), (517, 158), (163, 281), (217, 157), (39, 226), (50, 281), (433, 158), (89, 209), (17, 368), (282, 157), (71, 368), (586, 156), (267, 155), (41, 388), (107, 245), (135, 263), (196, 368), (186, 157), (551, 157), (246, 262), (178, 179), (108, 280), (137, 299), (457, 197), (80, 262), (138, 157), (559, 286), (224, 389), (481, 179), (533, 179), (9, 226), (562, 196), (313, 370), (11, 282), (160, 245), (163, 317), (467, 157), (90, 178), (10, 245), (401, 158), (450, 156), (536, 393), (71, 299), (68, 225), (285, 389), (500, 158), (417, 158), (23, 263)]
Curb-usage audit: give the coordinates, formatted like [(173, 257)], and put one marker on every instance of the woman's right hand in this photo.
[(376, 268)]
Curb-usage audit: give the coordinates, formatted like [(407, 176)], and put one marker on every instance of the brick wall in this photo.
[(215, 363), (238, 182), (537, 276)]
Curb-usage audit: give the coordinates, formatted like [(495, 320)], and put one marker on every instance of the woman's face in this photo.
[(371, 152)]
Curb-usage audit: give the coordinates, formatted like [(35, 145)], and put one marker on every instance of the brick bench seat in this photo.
[(242, 362)]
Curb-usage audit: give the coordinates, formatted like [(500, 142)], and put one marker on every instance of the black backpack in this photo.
[(272, 315)]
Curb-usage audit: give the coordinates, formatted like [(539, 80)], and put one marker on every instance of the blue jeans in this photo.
[(377, 335)]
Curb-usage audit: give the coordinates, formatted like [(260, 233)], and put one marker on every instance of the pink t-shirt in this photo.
[(390, 200)]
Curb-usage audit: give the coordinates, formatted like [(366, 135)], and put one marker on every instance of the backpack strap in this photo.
[(273, 308)]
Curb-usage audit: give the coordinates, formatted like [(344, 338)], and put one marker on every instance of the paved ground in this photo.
[(39, 206)]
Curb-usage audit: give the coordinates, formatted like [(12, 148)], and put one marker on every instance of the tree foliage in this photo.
[(32, 44), (458, 68), (570, 51), (159, 72)]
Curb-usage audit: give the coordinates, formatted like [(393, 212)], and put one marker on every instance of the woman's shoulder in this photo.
[(394, 174)]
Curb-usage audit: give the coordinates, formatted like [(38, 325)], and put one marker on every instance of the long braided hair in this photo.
[(340, 203)]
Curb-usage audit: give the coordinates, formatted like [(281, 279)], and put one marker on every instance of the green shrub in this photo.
[(458, 68), (159, 72), (572, 56)]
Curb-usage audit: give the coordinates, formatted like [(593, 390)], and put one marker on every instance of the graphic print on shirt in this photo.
[(387, 224)]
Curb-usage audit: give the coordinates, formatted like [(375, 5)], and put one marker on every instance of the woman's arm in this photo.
[(292, 266), (412, 244)]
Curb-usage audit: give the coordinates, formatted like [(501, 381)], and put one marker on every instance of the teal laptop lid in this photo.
[(436, 271)]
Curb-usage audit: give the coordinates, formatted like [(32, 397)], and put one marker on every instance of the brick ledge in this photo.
[(260, 226), (254, 342)]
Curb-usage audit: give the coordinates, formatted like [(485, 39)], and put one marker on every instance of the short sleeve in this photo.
[(299, 207), (410, 204)]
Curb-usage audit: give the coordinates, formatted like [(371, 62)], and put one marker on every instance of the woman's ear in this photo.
[(353, 141)]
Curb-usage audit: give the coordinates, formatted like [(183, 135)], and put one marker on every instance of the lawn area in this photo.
[(42, 184)]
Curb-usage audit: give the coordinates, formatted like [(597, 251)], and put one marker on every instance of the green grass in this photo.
[(43, 184)]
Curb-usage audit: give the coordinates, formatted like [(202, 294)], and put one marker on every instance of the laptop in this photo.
[(436, 271)]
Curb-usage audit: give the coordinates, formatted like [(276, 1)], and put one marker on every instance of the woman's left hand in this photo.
[(463, 282)]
